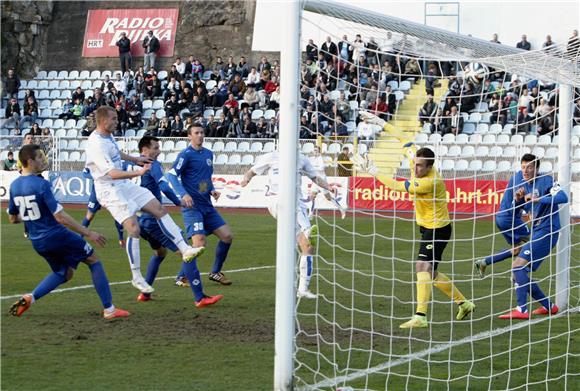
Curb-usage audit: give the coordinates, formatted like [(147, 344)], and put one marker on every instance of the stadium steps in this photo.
[(387, 152)]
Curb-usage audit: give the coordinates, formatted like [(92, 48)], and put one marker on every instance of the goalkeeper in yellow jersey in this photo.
[(432, 215)]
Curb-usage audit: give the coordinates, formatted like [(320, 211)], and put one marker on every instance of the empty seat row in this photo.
[(490, 166), (243, 146), (490, 139), (234, 159), (61, 123), (333, 148)]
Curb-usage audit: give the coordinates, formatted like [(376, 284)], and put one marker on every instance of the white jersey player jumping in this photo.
[(319, 165), (269, 163), (123, 198)]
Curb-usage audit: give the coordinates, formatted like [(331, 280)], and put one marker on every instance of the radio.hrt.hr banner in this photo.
[(463, 195), (104, 28)]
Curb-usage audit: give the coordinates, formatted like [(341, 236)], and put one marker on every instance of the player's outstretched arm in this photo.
[(247, 177), (120, 174), (138, 160), (387, 127), (363, 164), (65, 219)]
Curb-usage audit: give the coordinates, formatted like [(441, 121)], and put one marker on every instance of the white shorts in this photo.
[(123, 199), (302, 220)]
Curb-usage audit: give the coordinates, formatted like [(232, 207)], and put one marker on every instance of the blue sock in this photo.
[(101, 284), (522, 287), (192, 273), (500, 256), (47, 285), (153, 268), (86, 222), (181, 273), (540, 297), (119, 230), (221, 252)]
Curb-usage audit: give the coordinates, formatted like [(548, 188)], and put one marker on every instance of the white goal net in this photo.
[(492, 105)]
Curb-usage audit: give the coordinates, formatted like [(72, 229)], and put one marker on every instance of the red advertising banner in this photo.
[(463, 195), (104, 28)]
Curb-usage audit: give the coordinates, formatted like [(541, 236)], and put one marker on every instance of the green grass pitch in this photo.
[(61, 343)]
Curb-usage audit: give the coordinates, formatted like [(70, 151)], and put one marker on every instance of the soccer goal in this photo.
[(348, 338)]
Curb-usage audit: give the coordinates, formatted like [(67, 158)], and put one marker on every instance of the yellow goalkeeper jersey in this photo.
[(430, 199)]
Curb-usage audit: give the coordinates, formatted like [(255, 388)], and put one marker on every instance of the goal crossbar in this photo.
[(427, 42)]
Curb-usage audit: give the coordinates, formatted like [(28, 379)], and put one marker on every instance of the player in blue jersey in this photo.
[(191, 177), (32, 201), (510, 221), (541, 199), (93, 206), (156, 183)]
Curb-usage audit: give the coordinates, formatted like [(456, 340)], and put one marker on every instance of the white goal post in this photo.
[(430, 44)]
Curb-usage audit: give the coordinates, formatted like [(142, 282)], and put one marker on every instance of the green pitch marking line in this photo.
[(76, 288)]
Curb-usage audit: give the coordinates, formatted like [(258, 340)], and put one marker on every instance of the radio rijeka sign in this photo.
[(104, 28)]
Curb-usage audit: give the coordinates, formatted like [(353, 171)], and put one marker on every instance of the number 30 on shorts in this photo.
[(198, 226)]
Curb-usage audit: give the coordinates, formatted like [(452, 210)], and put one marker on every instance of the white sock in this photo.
[(305, 272), (172, 231), (134, 254), (110, 309)]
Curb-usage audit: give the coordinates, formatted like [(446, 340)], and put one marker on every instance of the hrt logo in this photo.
[(95, 43)]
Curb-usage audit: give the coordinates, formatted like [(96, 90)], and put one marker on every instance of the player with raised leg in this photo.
[(511, 223), (191, 177), (155, 182), (124, 198), (432, 215), (32, 202), (93, 207), (541, 200), (317, 162), (270, 163)]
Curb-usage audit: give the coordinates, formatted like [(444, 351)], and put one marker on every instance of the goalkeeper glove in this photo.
[(363, 164), (410, 149), (372, 119)]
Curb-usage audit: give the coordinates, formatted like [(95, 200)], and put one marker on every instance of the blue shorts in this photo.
[(538, 248), (201, 221), (513, 231), (152, 233), (93, 205), (65, 249)]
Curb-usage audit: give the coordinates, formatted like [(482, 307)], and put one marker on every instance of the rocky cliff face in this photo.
[(24, 35), (49, 35)]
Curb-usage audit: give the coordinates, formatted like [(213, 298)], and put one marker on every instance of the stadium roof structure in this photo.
[(431, 43)]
